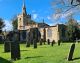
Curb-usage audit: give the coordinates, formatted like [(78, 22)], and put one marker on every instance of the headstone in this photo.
[(6, 46), (7, 41), (71, 52), (41, 41), (34, 33), (28, 44), (52, 43), (35, 43), (15, 47), (28, 40), (48, 42), (15, 51), (59, 41)]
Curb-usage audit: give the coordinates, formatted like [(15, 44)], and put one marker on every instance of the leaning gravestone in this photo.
[(15, 47), (71, 52), (48, 42)]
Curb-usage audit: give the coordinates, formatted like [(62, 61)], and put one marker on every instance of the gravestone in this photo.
[(15, 47), (41, 40), (71, 52), (6, 46), (15, 51), (34, 33), (59, 41), (34, 36), (7, 41), (53, 42), (48, 42), (28, 44), (35, 43)]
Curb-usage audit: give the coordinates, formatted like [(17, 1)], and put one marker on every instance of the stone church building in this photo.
[(56, 32)]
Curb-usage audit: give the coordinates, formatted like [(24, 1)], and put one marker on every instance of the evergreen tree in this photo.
[(72, 29)]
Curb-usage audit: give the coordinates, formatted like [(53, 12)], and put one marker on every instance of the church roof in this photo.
[(42, 25)]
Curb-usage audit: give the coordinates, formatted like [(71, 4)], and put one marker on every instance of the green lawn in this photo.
[(43, 54)]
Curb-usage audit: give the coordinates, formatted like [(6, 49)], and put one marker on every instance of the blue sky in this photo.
[(9, 8), (39, 9)]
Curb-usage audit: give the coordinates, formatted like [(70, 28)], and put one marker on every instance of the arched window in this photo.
[(20, 19), (49, 33)]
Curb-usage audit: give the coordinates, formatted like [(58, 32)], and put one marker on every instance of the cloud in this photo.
[(56, 16), (33, 11), (48, 17), (67, 14), (78, 20), (55, 23), (62, 15), (8, 25), (35, 16)]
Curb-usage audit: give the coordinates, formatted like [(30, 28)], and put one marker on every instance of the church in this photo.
[(25, 22)]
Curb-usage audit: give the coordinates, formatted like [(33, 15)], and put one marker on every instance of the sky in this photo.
[(39, 10)]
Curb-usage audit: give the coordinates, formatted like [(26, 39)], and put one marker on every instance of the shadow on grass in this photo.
[(2, 60), (33, 57), (76, 59)]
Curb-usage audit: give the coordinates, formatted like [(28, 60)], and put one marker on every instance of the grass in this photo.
[(43, 54)]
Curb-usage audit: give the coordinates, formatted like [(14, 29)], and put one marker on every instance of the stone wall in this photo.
[(54, 33)]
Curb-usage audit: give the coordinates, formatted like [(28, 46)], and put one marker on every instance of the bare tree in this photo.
[(62, 7)]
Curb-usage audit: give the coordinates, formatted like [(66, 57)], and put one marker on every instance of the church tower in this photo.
[(24, 7), (23, 18)]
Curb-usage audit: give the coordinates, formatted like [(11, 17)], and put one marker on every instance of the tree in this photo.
[(1, 24), (72, 29), (66, 4), (15, 23)]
